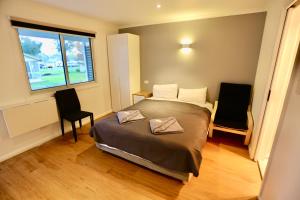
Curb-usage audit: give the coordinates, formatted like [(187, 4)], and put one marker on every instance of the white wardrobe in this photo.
[(124, 67)]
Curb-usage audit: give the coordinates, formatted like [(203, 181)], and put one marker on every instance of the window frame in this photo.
[(64, 60)]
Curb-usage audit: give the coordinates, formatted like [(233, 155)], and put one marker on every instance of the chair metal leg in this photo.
[(74, 131), (80, 123), (62, 126), (92, 120)]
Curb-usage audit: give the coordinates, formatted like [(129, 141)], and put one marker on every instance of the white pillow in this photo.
[(166, 91), (193, 95)]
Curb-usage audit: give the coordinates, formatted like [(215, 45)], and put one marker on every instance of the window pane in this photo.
[(43, 58), (79, 59)]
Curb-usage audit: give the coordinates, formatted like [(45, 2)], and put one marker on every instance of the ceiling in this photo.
[(126, 13)]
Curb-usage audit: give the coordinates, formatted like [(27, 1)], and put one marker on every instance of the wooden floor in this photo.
[(61, 169)]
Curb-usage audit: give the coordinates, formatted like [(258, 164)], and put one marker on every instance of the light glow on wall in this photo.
[(186, 50), (186, 40)]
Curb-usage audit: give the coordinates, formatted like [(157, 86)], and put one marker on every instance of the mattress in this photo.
[(185, 177)]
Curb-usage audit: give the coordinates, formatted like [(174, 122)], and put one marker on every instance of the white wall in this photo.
[(94, 97), (275, 16), (282, 180)]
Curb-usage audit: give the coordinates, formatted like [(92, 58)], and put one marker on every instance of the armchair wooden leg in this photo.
[(74, 131), (247, 138), (62, 126), (80, 123), (211, 130)]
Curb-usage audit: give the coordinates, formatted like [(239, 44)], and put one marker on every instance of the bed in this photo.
[(176, 155)]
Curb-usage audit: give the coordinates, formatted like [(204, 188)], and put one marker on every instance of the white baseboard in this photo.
[(43, 140), (26, 148)]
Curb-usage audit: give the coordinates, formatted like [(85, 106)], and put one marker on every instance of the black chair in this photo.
[(69, 109), (232, 111)]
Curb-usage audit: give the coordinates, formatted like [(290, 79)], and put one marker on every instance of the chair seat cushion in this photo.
[(236, 123), (233, 104), (232, 109), (75, 116)]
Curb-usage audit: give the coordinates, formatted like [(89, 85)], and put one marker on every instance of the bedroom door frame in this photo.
[(285, 63), (294, 33), (254, 151)]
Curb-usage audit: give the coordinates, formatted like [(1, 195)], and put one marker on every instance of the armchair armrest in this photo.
[(249, 120), (213, 114), (250, 126)]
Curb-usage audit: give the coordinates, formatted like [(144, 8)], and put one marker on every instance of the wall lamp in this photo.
[(186, 45)]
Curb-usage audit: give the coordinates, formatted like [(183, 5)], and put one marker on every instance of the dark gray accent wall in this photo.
[(223, 49)]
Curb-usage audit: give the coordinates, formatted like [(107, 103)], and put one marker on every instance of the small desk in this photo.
[(139, 96)]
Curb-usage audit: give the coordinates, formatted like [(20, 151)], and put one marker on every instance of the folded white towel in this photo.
[(129, 115), (165, 125)]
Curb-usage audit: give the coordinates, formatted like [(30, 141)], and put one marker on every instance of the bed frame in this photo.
[(184, 177)]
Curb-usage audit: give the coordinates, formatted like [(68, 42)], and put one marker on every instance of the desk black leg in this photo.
[(62, 126), (74, 131), (92, 120), (80, 123)]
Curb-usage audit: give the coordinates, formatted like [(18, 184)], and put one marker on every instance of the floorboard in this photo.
[(61, 169)]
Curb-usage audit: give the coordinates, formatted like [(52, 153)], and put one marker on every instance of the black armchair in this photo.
[(232, 111), (69, 109)]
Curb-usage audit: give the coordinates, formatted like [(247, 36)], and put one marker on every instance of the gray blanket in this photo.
[(180, 152)]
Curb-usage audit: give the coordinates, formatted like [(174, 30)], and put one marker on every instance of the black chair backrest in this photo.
[(67, 101), (234, 100)]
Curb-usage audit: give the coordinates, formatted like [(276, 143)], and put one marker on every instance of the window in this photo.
[(79, 59), (55, 59)]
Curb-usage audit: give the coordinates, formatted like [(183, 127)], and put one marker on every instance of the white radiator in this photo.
[(27, 117)]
